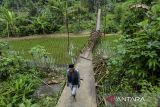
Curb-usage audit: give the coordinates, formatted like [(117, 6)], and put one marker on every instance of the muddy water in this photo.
[(46, 90)]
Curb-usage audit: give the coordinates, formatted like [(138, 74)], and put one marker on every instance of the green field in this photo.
[(57, 47)]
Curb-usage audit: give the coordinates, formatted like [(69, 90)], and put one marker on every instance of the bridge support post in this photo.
[(98, 20)]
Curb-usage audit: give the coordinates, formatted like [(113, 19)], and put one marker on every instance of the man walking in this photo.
[(73, 80)]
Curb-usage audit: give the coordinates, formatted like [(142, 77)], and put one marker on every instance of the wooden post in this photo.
[(67, 22), (105, 20), (98, 20)]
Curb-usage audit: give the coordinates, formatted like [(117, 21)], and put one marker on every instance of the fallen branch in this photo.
[(105, 101), (102, 78), (100, 102), (43, 81), (96, 71), (86, 58)]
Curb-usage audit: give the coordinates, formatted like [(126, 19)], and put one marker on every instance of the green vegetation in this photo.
[(107, 45), (19, 80), (23, 18), (25, 63), (127, 61), (133, 64), (56, 47), (103, 51)]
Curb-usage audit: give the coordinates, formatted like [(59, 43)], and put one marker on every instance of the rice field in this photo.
[(57, 47)]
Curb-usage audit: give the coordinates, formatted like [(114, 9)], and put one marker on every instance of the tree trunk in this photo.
[(98, 20), (8, 29), (105, 22), (66, 22), (79, 21), (67, 32)]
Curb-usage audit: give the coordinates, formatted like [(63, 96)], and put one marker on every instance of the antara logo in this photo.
[(112, 99)]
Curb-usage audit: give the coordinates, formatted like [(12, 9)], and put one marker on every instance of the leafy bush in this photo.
[(41, 58), (137, 64), (18, 89), (17, 82), (3, 45), (19, 79), (111, 25), (39, 17), (134, 66)]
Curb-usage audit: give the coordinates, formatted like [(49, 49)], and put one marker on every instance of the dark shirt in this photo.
[(73, 77)]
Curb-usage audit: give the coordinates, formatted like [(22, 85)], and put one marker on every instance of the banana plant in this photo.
[(40, 23), (9, 18)]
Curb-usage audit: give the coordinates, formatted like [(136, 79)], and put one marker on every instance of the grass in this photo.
[(57, 47), (107, 44), (105, 47), (16, 91)]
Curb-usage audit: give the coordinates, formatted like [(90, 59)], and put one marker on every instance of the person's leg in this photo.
[(74, 89), (71, 87)]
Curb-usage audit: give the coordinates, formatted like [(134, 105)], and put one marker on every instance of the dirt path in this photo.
[(56, 35), (86, 95)]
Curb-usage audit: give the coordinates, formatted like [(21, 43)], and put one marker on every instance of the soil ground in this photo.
[(55, 35)]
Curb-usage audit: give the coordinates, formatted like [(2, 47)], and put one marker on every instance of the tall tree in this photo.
[(62, 7)]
